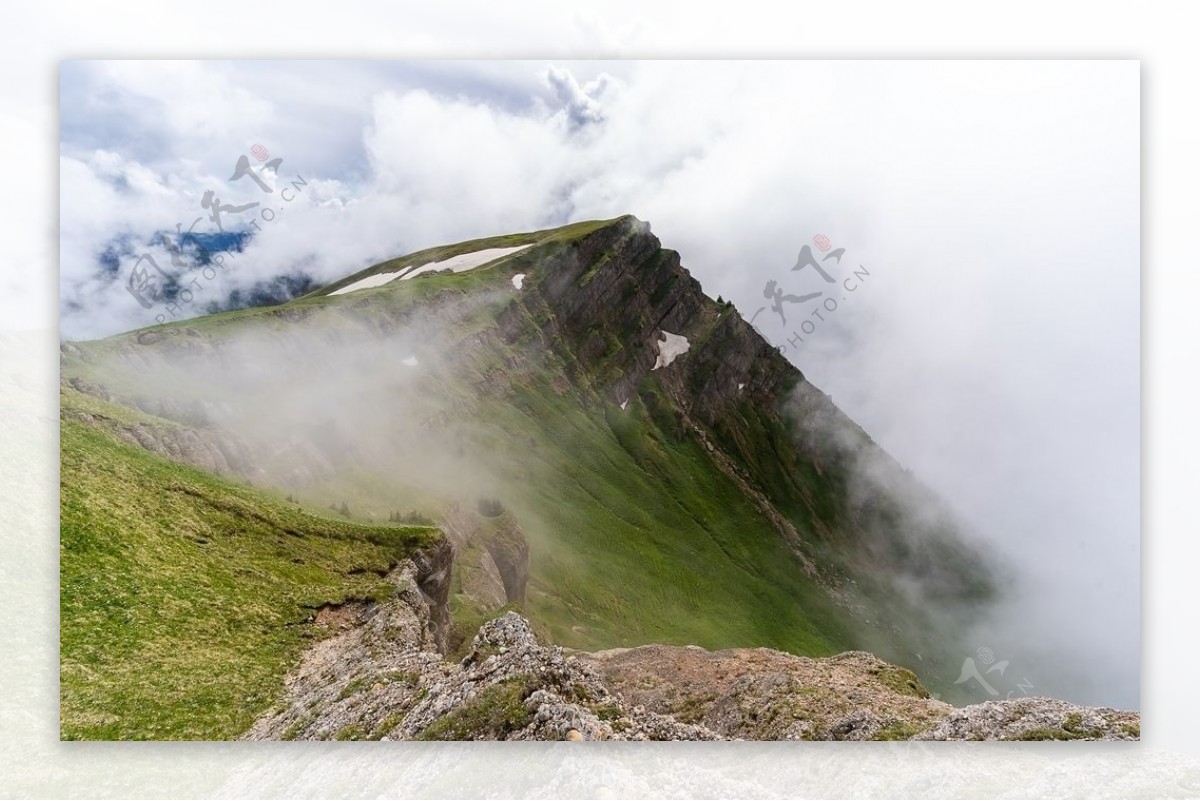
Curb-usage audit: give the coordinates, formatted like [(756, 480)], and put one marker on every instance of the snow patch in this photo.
[(370, 282), (670, 347), (458, 264), (518, 280), (465, 261), (411, 361), (740, 387), (624, 403)]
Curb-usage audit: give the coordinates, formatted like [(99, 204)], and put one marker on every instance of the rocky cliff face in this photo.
[(207, 449), (497, 552), (384, 680), (432, 573), (616, 290)]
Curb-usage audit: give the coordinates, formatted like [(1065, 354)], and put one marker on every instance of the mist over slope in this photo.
[(673, 477)]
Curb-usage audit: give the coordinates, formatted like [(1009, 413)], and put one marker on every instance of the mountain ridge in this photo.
[(718, 500)]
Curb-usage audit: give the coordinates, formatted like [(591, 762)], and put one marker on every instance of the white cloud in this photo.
[(190, 100), (580, 104)]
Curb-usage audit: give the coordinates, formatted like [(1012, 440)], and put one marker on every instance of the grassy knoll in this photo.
[(181, 592)]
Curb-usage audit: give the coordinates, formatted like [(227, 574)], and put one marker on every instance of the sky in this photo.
[(979, 222)]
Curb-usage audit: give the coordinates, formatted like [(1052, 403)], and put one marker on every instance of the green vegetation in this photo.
[(465, 620), (351, 732), (386, 725), (899, 730), (1052, 734), (1072, 729), (352, 687), (412, 518), (606, 712), (184, 597), (587, 277), (300, 725), (490, 715), (691, 708), (637, 537), (903, 681)]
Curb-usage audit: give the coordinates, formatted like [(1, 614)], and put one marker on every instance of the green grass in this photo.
[(490, 715), (1072, 729), (351, 732), (1039, 735), (183, 596), (637, 537), (899, 730), (903, 681)]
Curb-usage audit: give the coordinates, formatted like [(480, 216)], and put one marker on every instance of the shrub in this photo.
[(490, 507)]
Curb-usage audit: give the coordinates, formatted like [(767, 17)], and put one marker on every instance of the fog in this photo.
[(371, 408), (990, 344)]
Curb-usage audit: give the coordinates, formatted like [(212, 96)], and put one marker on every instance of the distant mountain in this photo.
[(607, 450)]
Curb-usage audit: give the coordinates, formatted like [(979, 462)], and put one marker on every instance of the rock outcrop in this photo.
[(383, 678), (612, 294), (491, 555), (761, 694), (1035, 719), (433, 573)]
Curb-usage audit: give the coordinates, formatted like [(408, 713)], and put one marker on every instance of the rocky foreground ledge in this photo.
[(382, 678)]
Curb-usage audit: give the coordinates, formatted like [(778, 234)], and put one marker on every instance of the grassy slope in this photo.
[(637, 538), (180, 591)]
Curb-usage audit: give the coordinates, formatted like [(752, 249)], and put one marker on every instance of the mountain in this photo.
[(605, 449)]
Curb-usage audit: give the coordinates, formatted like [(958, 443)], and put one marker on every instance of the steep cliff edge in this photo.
[(382, 681)]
